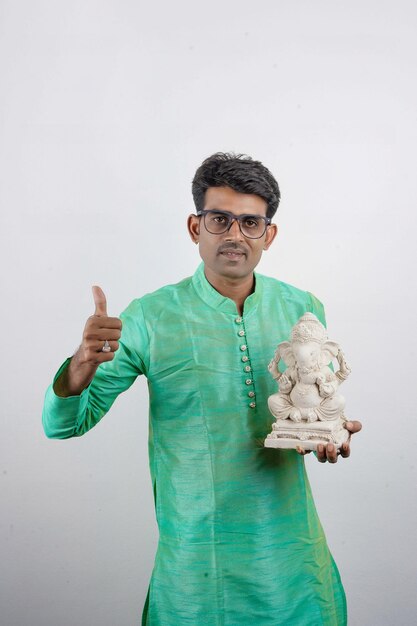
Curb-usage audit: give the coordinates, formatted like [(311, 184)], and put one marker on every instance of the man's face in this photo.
[(230, 255)]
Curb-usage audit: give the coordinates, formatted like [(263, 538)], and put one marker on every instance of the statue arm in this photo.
[(273, 367), (344, 369), (328, 382), (284, 379), (286, 382)]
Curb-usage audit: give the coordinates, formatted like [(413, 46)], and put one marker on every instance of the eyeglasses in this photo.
[(218, 222)]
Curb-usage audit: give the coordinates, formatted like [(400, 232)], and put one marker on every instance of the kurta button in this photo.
[(241, 333), (243, 347), (238, 320), (251, 394), (248, 368), (248, 381), (252, 405), (245, 358)]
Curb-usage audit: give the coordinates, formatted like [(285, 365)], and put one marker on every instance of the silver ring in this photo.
[(106, 347)]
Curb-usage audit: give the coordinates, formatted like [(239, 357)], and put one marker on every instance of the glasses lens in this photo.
[(216, 222), (252, 226)]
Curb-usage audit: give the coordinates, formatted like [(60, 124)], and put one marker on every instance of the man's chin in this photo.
[(234, 270), (229, 270)]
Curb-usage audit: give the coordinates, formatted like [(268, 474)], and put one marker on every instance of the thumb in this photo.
[(100, 301), (353, 426)]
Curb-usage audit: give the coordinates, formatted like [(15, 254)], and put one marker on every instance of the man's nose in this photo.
[(234, 231)]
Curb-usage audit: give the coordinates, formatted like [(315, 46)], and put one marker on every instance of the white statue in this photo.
[(308, 408)]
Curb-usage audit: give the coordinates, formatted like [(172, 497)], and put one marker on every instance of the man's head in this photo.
[(226, 187), (240, 173)]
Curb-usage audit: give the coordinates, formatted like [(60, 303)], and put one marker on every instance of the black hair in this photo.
[(239, 172)]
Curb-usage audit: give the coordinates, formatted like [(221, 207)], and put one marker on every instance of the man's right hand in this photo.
[(100, 331)]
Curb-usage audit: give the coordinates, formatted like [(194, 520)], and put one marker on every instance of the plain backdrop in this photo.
[(106, 110)]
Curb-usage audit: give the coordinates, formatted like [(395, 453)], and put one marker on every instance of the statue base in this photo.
[(308, 435)]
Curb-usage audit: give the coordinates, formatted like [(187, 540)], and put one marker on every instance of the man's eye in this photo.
[(251, 222), (219, 219)]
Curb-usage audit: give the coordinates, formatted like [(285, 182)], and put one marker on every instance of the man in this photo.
[(240, 541)]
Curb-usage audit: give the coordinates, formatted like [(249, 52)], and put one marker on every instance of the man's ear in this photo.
[(193, 225), (271, 233)]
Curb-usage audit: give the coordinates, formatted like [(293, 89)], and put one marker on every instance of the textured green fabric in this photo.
[(240, 541)]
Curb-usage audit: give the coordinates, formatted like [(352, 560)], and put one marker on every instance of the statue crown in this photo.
[(309, 328)]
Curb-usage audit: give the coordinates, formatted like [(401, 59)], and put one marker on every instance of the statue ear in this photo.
[(286, 353), (329, 351)]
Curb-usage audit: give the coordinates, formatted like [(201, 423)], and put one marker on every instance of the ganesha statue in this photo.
[(308, 407)]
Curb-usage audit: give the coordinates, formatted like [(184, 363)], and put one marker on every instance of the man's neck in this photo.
[(236, 289)]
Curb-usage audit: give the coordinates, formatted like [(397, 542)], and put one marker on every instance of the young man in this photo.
[(240, 540)]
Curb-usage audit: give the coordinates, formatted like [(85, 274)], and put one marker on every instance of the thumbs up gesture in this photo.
[(101, 333), (99, 343)]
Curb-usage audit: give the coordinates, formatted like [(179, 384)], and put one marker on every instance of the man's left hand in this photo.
[(330, 453)]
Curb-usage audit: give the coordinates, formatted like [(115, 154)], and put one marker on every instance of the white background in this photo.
[(106, 110)]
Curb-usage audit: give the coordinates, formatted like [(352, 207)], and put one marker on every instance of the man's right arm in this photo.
[(86, 385)]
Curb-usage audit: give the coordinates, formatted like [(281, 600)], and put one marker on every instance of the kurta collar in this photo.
[(215, 299)]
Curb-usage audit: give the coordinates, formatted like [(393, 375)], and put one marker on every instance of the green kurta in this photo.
[(240, 540)]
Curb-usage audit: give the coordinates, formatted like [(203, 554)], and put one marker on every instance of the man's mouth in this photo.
[(233, 254)]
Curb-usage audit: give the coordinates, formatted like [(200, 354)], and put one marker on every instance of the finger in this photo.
[(301, 451), (353, 427), (321, 453), (98, 321), (345, 450), (92, 348), (101, 334), (110, 322), (114, 345), (96, 357), (331, 453), (99, 300)]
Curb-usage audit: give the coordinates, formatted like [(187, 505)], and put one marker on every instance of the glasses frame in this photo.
[(234, 218)]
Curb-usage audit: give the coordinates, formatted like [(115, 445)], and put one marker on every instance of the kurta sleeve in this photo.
[(75, 415)]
